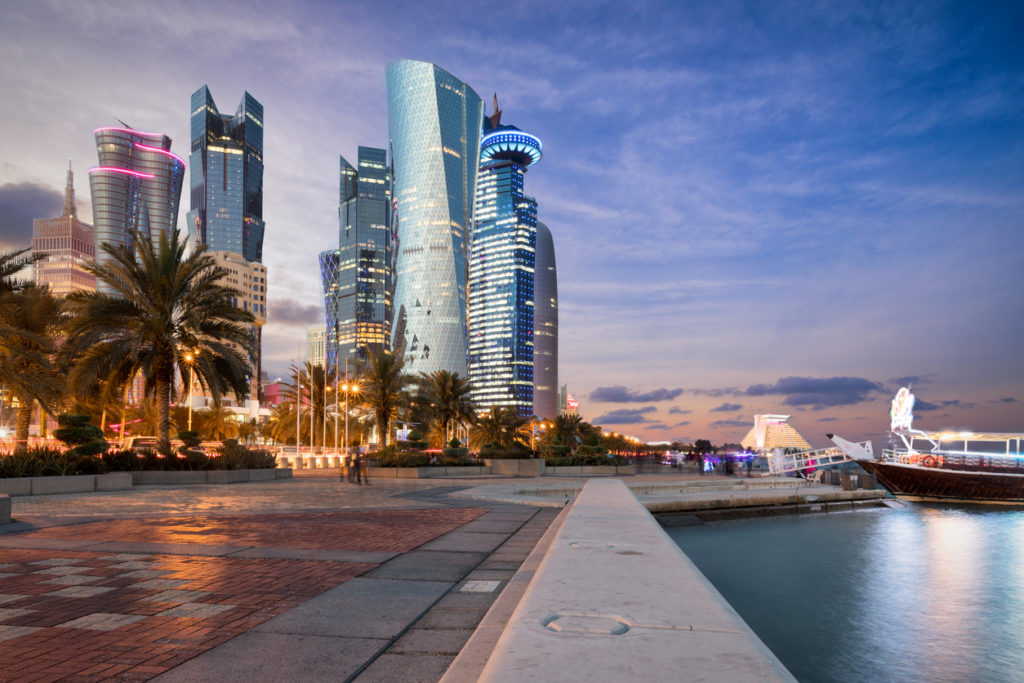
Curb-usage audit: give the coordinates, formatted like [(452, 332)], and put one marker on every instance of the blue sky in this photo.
[(756, 207)]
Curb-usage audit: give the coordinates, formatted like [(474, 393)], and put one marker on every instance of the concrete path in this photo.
[(308, 579)]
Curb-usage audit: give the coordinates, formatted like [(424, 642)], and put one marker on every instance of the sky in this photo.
[(763, 207)]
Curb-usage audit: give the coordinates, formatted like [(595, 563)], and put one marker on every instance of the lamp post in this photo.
[(191, 383), (326, 390)]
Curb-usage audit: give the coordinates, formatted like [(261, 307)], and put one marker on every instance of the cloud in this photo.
[(828, 419), (995, 400), (20, 203), (626, 416), (925, 406), (291, 312), (818, 391), (676, 410), (681, 424), (716, 393), (659, 426), (620, 394), (731, 423), (912, 380), (727, 408)]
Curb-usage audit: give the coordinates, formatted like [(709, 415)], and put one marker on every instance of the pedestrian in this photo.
[(364, 464), (359, 467), (350, 459)]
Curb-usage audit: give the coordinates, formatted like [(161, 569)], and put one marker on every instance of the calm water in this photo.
[(927, 593)]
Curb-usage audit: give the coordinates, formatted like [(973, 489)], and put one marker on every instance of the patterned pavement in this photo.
[(83, 615)]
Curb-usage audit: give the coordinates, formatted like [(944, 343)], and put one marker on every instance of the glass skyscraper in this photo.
[(434, 122), (357, 275), (137, 186), (501, 271), (227, 176), (545, 327)]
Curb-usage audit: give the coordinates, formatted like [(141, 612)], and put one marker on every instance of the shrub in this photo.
[(557, 449), (456, 457), (81, 437), (514, 452), (21, 464), (389, 457), (588, 459)]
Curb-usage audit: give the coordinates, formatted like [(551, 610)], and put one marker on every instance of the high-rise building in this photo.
[(567, 405), (226, 210), (137, 186), (501, 270), (545, 327), (434, 123), (316, 344), (67, 245), (357, 275)]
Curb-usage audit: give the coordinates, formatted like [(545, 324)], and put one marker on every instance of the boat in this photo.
[(943, 466)]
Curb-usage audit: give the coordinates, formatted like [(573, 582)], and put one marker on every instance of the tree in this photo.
[(317, 392), (383, 388), (217, 421), (29, 322), (447, 394), (11, 263), (165, 305), (501, 426)]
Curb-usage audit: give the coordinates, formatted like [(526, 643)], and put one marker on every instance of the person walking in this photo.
[(358, 466)]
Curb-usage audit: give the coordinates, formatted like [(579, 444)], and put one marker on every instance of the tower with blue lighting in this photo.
[(501, 270)]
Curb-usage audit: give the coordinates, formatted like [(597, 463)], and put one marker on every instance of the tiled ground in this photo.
[(71, 615)]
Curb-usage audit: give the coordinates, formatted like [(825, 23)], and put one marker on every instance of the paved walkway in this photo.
[(307, 579)]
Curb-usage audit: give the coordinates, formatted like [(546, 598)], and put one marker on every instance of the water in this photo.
[(926, 593)]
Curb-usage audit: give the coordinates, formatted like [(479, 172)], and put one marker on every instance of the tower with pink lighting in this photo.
[(137, 186)]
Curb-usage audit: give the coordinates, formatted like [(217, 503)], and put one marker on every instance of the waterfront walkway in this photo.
[(309, 578)]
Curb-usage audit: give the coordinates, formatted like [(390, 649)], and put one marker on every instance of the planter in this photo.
[(532, 467), (427, 472)]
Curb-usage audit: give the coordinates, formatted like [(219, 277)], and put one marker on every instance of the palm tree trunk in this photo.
[(22, 424), (163, 411)]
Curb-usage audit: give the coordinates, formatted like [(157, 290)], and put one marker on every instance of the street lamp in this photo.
[(348, 388), (190, 359), (327, 390)]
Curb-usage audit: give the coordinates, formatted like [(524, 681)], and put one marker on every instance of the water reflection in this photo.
[(924, 593)]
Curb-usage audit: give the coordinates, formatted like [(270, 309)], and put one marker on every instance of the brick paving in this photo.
[(85, 616)]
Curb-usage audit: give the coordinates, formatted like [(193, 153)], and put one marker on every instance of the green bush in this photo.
[(82, 438), (557, 449), (389, 457), (495, 452), (587, 459)]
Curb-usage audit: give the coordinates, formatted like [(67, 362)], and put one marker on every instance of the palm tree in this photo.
[(448, 396), (383, 388), (30, 319), (317, 385), (500, 426), (165, 306), (11, 263), (217, 421)]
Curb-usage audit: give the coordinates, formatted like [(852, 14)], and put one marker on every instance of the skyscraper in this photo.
[(67, 246), (545, 327), (434, 122), (501, 270), (137, 186), (226, 210), (356, 276)]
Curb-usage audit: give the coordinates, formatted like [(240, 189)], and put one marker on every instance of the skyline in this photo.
[(818, 201)]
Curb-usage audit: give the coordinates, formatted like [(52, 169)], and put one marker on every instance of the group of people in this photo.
[(354, 466)]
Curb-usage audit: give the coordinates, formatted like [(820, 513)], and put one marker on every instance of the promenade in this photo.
[(309, 578), (303, 579)]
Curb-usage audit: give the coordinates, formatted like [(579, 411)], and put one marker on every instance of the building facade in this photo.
[(250, 282), (226, 180), (434, 124), (136, 187), (316, 345), (357, 275), (545, 327), (501, 271), (67, 245)]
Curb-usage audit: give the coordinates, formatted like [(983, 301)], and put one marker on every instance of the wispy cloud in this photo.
[(620, 394), (626, 416), (727, 408)]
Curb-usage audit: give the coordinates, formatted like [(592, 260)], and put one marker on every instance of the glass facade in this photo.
[(501, 273), (227, 176), (137, 186), (357, 276), (545, 327), (434, 122)]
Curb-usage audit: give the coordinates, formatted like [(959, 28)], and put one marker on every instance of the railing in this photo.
[(799, 462), (956, 460)]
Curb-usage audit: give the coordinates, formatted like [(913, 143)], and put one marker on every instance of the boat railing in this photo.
[(950, 459)]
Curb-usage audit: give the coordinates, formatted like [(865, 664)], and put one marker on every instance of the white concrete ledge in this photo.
[(615, 599)]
